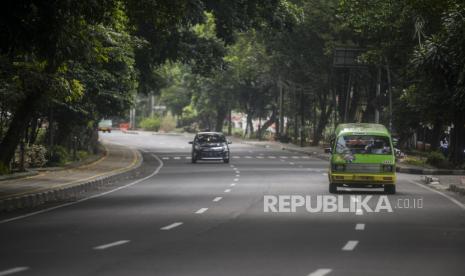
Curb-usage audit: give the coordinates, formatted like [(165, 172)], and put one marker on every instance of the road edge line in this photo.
[(453, 200)]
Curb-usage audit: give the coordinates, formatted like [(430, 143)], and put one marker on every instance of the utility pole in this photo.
[(347, 102), (230, 122), (302, 117), (281, 112), (152, 104), (378, 93), (390, 95)]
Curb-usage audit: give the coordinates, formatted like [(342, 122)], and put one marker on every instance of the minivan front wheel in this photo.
[(332, 188), (390, 189)]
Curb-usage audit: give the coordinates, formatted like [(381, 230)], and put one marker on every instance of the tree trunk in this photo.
[(220, 115), (457, 145), (322, 122), (250, 124), (267, 124), (17, 128), (436, 135)]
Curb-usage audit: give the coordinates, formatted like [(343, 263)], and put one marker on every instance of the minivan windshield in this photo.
[(363, 144), (210, 138)]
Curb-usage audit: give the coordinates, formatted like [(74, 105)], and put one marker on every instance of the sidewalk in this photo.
[(56, 185)]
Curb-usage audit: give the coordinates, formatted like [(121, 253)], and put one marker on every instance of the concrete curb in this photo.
[(27, 173), (429, 171), (67, 193), (457, 189)]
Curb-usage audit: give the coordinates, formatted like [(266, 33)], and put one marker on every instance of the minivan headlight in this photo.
[(388, 168)]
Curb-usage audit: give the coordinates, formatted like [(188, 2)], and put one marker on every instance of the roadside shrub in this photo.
[(151, 124), (168, 123), (59, 156), (437, 159), (34, 156)]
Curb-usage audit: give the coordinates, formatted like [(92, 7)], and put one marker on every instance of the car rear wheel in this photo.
[(390, 189), (193, 159), (332, 188), (226, 160)]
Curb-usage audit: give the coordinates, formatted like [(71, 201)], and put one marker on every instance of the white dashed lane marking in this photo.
[(360, 226), (201, 210), (218, 198), (350, 245), (171, 226), (227, 190), (108, 245), (232, 184), (13, 270), (320, 272)]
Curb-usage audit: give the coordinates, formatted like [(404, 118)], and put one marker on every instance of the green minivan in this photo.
[(362, 156)]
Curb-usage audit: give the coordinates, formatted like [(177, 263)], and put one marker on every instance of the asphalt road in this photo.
[(208, 219)]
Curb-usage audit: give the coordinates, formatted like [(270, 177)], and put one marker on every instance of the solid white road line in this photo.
[(320, 272), (227, 190), (458, 203), (90, 197), (13, 270), (360, 226), (218, 198), (108, 245), (201, 210), (350, 245), (171, 226)]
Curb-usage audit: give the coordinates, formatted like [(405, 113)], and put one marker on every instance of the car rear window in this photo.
[(211, 138)]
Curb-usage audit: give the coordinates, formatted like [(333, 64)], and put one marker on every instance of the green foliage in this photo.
[(59, 156), (150, 124), (437, 159)]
